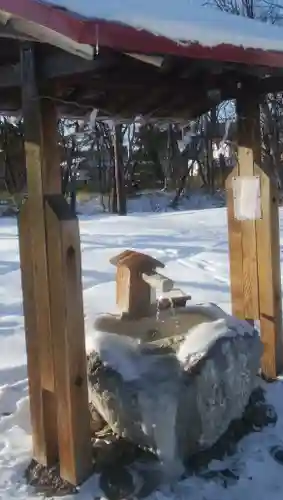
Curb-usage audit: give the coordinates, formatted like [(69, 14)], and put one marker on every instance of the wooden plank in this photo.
[(69, 341), (51, 172), (235, 251), (261, 241), (269, 272), (270, 296), (62, 418), (44, 450), (158, 282), (35, 182), (123, 277), (248, 117), (35, 276)]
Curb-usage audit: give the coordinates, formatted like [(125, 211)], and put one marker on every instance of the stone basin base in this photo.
[(177, 393)]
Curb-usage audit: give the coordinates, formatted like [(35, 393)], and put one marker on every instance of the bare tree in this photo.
[(271, 109)]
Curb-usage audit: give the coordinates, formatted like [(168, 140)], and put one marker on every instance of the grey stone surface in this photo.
[(184, 393)]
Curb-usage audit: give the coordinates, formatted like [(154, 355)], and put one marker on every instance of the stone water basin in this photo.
[(173, 383)]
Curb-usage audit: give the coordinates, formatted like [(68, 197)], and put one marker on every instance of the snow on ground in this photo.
[(193, 245)]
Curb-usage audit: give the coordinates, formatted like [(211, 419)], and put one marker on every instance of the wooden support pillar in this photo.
[(52, 295), (254, 242)]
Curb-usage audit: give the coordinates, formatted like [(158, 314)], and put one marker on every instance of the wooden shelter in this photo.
[(127, 63)]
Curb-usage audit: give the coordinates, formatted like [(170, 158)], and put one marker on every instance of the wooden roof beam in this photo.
[(8, 31), (61, 65), (153, 60), (271, 84), (43, 34), (64, 65)]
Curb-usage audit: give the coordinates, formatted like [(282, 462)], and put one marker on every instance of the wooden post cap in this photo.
[(136, 260)]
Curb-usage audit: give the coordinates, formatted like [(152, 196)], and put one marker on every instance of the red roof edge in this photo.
[(126, 38), (50, 16)]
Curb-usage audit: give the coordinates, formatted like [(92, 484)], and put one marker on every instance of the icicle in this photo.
[(97, 39), (186, 139), (92, 118)]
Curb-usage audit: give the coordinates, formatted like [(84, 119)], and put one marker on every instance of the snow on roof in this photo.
[(184, 28), (185, 20)]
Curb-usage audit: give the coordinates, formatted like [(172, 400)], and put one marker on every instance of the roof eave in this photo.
[(32, 31)]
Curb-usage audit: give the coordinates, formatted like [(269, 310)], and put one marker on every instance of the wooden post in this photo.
[(133, 292), (52, 295), (254, 243)]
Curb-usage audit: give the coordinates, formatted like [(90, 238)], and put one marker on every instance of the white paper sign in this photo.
[(247, 198)]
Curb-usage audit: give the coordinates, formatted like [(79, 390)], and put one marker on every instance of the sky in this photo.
[(159, 8)]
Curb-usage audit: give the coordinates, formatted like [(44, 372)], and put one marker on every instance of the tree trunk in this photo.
[(119, 171), (113, 206)]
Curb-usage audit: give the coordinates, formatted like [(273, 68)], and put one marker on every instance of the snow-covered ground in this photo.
[(193, 245)]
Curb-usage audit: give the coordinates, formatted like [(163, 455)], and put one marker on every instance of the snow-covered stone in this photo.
[(175, 397)]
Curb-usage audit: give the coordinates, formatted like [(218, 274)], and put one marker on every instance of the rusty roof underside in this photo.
[(121, 70)]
